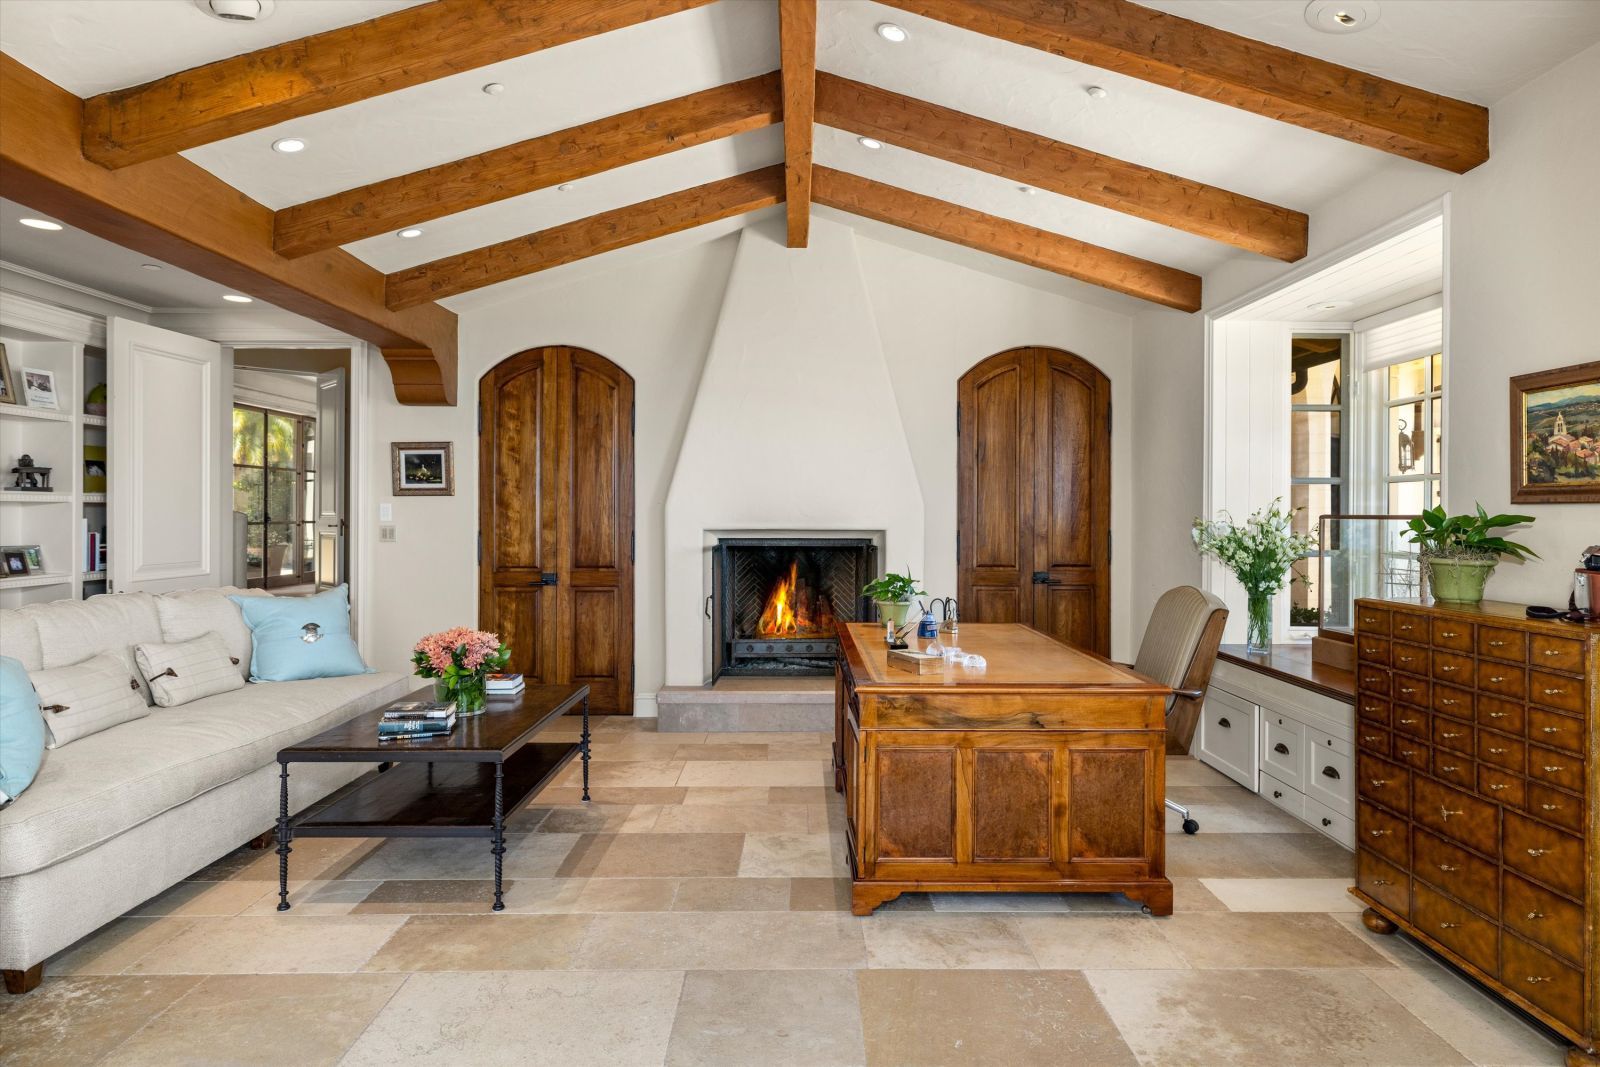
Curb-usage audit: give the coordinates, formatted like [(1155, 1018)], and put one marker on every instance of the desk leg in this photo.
[(585, 750), (499, 848), (283, 836)]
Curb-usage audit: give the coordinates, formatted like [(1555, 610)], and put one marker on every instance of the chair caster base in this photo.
[(1190, 826)]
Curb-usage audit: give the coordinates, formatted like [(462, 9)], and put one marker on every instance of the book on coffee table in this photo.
[(504, 684), (417, 711)]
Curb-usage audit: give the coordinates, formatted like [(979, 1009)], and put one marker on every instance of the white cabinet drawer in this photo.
[(1283, 744), (1284, 796), (1330, 779), (1228, 734), (1339, 827)]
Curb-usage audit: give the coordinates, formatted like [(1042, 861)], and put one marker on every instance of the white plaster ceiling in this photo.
[(1393, 272), (1473, 48)]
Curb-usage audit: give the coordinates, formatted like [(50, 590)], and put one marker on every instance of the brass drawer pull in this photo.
[(1553, 769), (1406, 692), (1450, 769), (1448, 926), (1498, 751), (1537, 852), (1447, 668), (1448, 634), (1378, 833), (1445, 813), (1456, 733), (1448, 869), (1551, 807), (1407, 722), (1381, 881), (1550, 729), (1553, 652), (1369, 651), (1497, 644), (1535, 916), (1447, 702), (1499, 786), (1379, 783), (1367, 739), (1408, 752), (1497, 678), (1554, 692), (1534, 979), (1498, 714)]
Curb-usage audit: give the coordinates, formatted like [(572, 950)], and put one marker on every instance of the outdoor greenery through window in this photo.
[(274, 461), (1318, 413)]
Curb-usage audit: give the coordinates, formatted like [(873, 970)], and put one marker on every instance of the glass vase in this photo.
[(1258, 622), (469, 693)]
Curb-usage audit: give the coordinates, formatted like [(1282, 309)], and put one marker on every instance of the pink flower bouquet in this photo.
[(461, 660)]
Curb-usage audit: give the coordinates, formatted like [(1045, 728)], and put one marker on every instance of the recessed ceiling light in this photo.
[(494, 88), (150, 266), (410, 232), (237, 10), (1097, 92), (892, 33), (1027, 190), (1328, 305), (564, 187), (40, 224), (235, 298), (291, 145), (1341, 16), (870, 142)]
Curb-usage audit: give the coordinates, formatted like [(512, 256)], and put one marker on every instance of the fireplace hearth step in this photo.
[(748, 705)]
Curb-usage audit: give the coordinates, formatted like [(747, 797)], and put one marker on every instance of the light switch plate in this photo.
[(386, 533), (385, 512)]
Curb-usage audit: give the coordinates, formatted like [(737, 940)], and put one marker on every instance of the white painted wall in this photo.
[(1522, 262)]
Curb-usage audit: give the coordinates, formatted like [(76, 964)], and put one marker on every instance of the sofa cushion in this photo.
[(96, 788), (299, 637), (19, 638), (87, 698), (187, 615), (22, 732), (187, 670), (72, 631)]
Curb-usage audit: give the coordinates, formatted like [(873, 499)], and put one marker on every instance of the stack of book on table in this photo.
[(503, 685), (417, 718)]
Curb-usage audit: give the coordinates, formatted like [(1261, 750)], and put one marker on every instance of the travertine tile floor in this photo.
[(697, 913)]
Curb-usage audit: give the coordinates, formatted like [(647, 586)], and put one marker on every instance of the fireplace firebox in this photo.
[(776, 601)]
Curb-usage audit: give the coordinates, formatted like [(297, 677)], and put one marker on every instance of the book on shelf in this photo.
[(504, 683)]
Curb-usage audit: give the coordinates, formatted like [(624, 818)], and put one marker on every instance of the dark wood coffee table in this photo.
[(460, 785)]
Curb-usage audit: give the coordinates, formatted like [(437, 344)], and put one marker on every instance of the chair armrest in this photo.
[(1189, 694)]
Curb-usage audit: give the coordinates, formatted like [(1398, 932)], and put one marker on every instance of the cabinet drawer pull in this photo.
[(1554, 692), (1497, 644), (1369, 651), (1537, 852), (1277, 794), (1552, 652), (1448, 926), (1379, 783), (1553, 769), (1327, 822), (1534, 979), (1535, 916), (1551, 807), (1281, 749), (1445, 813), (1456, 733), (1447, 668), (1408, 722), (1497, 678), (1378, 833), (1331, 772), (1367, 739), (1499, 786), (1445, 867), (1368, 707), (1498, 714), (1498, 751), (1550, 729), (1448, 633), (1408, 752), (1450, 769), (1226, 725), (1404, 691), (1381, 881), (1447, 702)]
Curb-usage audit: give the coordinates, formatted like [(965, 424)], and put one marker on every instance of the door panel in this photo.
[(916, 803), (556, 519), (1011, 803), (1034, 492), (330, 506), (1108, 801)]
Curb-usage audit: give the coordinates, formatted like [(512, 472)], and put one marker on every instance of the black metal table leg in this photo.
[(499, 849), (283, 836), (585, 750)]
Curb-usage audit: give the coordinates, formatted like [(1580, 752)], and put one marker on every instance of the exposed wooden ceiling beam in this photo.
[(1195, 58), (797, 33), (1206, 210), (538, 163), (172, 210), (1012, 240), (577, 240), (327, 70)]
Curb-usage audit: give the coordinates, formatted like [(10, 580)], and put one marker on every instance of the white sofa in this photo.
[(115, 818)]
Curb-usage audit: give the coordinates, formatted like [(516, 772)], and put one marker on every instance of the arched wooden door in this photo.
[(1034, 495), (555, 519)]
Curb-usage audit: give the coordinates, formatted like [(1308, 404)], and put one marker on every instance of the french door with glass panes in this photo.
[(274, 485)]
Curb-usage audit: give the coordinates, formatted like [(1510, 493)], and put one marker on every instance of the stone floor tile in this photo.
[(1266, 939), (422, 896), (1307, 855), (800, 1018), (316, 897), (271, 944), (720, 752), (1474, 1024), (793, 855), (308, 1020), (589, 819), (543, 896), (731, 819), (206, 898), (1230, 809), (819, 894), (627, 894), (747, 940), (611, 794), (1284, 894), (946, 942), (517, 1019), (79, 1020), (527, 856), (732, 894), (1191, 894), (1396, 948), (482, 943), (1283, 1018), (655, 856), (807, 794), (751, 772), (1188, 771), (1082, 942), (729, 794), (114, 947), (923, 1018), (1003, 903), (313, 857), (624, 774)]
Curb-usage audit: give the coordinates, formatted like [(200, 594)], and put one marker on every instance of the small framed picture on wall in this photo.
[(423, 468), (1555, 436)]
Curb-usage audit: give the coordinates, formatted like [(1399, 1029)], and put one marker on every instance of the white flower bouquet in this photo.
[(1259, 553)]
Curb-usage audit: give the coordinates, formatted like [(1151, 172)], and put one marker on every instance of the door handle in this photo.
[(1043, 578), (545, 578), (708, 607)]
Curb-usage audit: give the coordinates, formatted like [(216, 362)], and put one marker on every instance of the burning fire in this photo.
[(794, 611)]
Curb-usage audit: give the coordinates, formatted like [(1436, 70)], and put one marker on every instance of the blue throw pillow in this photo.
[(21, 730), (297, 637)]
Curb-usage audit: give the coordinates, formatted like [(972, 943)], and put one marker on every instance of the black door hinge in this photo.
[(633, 545)]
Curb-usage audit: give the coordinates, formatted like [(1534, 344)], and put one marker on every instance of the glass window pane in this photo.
[(1408, 442), (280, 495), (1304, 593), (1315, 371), (280, 440), (1434, 492), (1314, 444), (247, 436), (1408, 379), (253, 553), (1438, 437), (310, 494), (308, 555), (1408, 498), (247, 494), (1438, 371), (1317, 501), (282, 551)]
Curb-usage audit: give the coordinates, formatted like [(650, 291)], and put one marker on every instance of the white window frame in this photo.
[(1346, 411)]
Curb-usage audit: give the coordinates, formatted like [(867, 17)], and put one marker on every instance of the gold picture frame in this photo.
[(1555, 436), (423, 468), (8, 388)]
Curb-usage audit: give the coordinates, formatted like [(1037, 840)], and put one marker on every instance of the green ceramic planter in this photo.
[(1459, 580), (892, 609)]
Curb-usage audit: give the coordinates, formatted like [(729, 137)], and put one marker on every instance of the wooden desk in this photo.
[(1045, 772)]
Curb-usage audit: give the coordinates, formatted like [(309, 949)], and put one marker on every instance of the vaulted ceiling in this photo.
[(620, 121)]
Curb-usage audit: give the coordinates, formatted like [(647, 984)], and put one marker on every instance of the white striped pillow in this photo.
[(88, 697), (188, 670)]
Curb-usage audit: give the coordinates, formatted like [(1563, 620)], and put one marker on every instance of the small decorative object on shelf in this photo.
[(460, 661), (892, 593), (94, 468), (15, 562), (1259, 554), (35, 557), (31, 479), (95, 402), (1459, 552), (39, 389)]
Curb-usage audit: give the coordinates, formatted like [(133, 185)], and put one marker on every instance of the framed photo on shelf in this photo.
[(35, 557), (94, 468), (14, 561), (39, 389), (1555, 436), (423, 468), (8, 388)]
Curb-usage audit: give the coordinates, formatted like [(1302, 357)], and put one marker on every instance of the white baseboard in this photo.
[(644, 706)]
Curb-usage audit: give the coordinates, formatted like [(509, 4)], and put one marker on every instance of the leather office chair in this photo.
[(1179, 649)]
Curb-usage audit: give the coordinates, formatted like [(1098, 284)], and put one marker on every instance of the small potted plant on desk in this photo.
[(892, 593), (1461, 551)]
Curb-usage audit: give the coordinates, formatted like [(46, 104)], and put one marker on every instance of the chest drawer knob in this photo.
[(1378, 833), (1450, 769), (1535, 979), (1498, 714), (1277, 794), (1281, 749), (1445, 813), (1448, 926), (1327, 822), (1446, 868), (1379, 783), (1554, 692), (1553, 769), (1497, 752), (1535, 916), (1499, 786), (1537, 852)]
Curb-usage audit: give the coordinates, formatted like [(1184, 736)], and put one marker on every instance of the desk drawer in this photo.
[(1558, 768), (1282, 795), (1383, 882), (1545, 854), (1556, 653), (1502, 750), (1373, 680), (1373, 709), (1370, 620), (1388, 836), (1413, 753), (1453, 634), (1387, 783), (1458, 872), (1409, 689), (1455, 815), (1340, 827), (1330, 780), (1541, 916), (1228, 735), (1543, 979), (1552, 805), (1463, 931), (1556, 730), (1502, 678), (1413, 659), (1503, 644), (1498, 713), (1556, 691), (1373, 739), (1283, 743)]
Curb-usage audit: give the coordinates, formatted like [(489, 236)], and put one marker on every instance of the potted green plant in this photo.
[(1461, 551), (892, 593)]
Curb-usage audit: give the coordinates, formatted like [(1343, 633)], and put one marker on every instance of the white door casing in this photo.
[(169, 432), (332, 428)]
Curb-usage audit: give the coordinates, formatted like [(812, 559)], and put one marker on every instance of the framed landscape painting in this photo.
[(1555, 442), (423, 468)]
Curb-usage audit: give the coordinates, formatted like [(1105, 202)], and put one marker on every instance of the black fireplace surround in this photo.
[(775, 601)]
